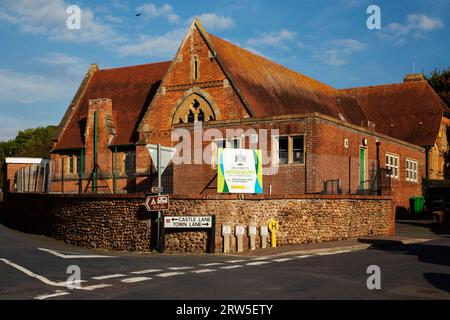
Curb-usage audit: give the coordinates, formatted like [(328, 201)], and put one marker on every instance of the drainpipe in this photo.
[(80, 187), (94, 175), (427, 162), (378, 169), (115, 169)]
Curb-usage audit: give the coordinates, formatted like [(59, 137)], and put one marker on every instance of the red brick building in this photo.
[(324, 134)]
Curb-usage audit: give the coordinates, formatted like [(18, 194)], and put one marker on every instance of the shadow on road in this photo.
[(420, 229), (439, 280)]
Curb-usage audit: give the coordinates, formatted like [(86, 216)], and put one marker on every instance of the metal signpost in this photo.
[(163, 157)]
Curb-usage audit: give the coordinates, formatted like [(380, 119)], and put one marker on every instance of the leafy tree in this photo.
[(35, 143), (439, 80)]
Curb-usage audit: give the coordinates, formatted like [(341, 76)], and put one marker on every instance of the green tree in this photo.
[(35, 143), (439, 80)]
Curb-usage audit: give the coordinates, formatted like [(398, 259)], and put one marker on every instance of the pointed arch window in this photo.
[(195, 68), (194, 108), (201, 116), (191, 117)]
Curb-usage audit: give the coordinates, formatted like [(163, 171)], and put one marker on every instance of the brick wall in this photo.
[(118, 222)]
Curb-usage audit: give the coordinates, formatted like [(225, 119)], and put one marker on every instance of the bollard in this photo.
[(273, 227), (226, 232), (252, 232), (240, 232), (264, 233)]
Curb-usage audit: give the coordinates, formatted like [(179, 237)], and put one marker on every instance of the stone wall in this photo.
[(119, 222)]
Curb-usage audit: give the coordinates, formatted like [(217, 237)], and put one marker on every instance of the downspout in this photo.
[(80, 187), (94, 175), (115, 169), (427, 163)]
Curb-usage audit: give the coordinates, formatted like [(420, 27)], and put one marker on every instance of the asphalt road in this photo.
[(416, 271)]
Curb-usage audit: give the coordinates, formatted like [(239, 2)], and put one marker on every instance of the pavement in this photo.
[(413, 265)]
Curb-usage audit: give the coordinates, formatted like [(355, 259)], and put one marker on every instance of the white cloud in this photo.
[(24, 88), (48, 17), (150, 11), (338, 52), (213, 21), (65, 64), (163, 46), (273, 39), (416, 26)]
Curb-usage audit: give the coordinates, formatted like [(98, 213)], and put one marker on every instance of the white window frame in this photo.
[(412, 167), (393, 163)]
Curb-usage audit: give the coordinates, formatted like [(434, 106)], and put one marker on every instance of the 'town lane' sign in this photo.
[(188, 222)]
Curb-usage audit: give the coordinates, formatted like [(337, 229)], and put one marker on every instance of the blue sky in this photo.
[(42, 62)]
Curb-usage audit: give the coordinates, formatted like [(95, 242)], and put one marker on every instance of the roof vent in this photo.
[(414, 77)]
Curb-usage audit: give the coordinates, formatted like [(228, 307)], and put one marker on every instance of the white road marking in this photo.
[(74, 256), (109, 276), (146, 271), (332, 253), (47, 281), (34, 275), (257, 263), (262, 258), (181, 268), (283, 260), (170, 274), (58, 293), (97, 286), (203, 271), (134, 280), (305, 256), (236, 261), (232, 267), (210, 264)]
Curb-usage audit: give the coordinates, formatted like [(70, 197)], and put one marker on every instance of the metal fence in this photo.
[(34, 178)]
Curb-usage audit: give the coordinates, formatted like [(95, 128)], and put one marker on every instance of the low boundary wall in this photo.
[(121, 223)]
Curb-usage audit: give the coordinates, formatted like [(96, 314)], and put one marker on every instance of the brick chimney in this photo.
[(105, 133), (414, 77)]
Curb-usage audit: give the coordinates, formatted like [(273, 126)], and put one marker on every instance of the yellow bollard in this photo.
[(273, 227)]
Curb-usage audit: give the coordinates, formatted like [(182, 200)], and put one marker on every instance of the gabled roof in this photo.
[(130, 88), (271, 89), (410, 111)]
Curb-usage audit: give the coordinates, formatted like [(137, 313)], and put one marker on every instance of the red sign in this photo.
[(157, 203)]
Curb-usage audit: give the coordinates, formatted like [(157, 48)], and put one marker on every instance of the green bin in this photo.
[(416, 205)]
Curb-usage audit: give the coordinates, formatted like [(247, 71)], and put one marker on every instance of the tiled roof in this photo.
[(131, 90), (410, 111), (271, 89)]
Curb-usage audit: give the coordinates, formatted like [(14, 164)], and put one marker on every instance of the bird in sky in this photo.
[(138, 14)]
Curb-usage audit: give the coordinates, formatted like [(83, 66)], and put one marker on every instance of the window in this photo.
[(234, 143), (191, 117), (283, 150), (195, 68), (297, 149), (411, 170), (201, 116), (291, 150), (71, 165), (129, 162), (392, 164)]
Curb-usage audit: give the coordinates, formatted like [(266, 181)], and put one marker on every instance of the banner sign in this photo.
[(239, 171)]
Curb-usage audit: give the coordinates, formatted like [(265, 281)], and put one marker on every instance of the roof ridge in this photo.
[(383, 85), (135, 66)]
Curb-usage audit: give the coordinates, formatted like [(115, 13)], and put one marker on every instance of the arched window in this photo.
[(195, 68), (193, 108), (191, 117), (201, 116)]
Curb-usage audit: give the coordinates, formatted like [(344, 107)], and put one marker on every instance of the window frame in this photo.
[(412, 170), (393, 162), (290, 150)]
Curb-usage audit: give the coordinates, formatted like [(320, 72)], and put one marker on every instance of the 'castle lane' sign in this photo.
[(204, 222)]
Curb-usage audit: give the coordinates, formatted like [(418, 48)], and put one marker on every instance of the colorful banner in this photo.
[(239, 171)]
